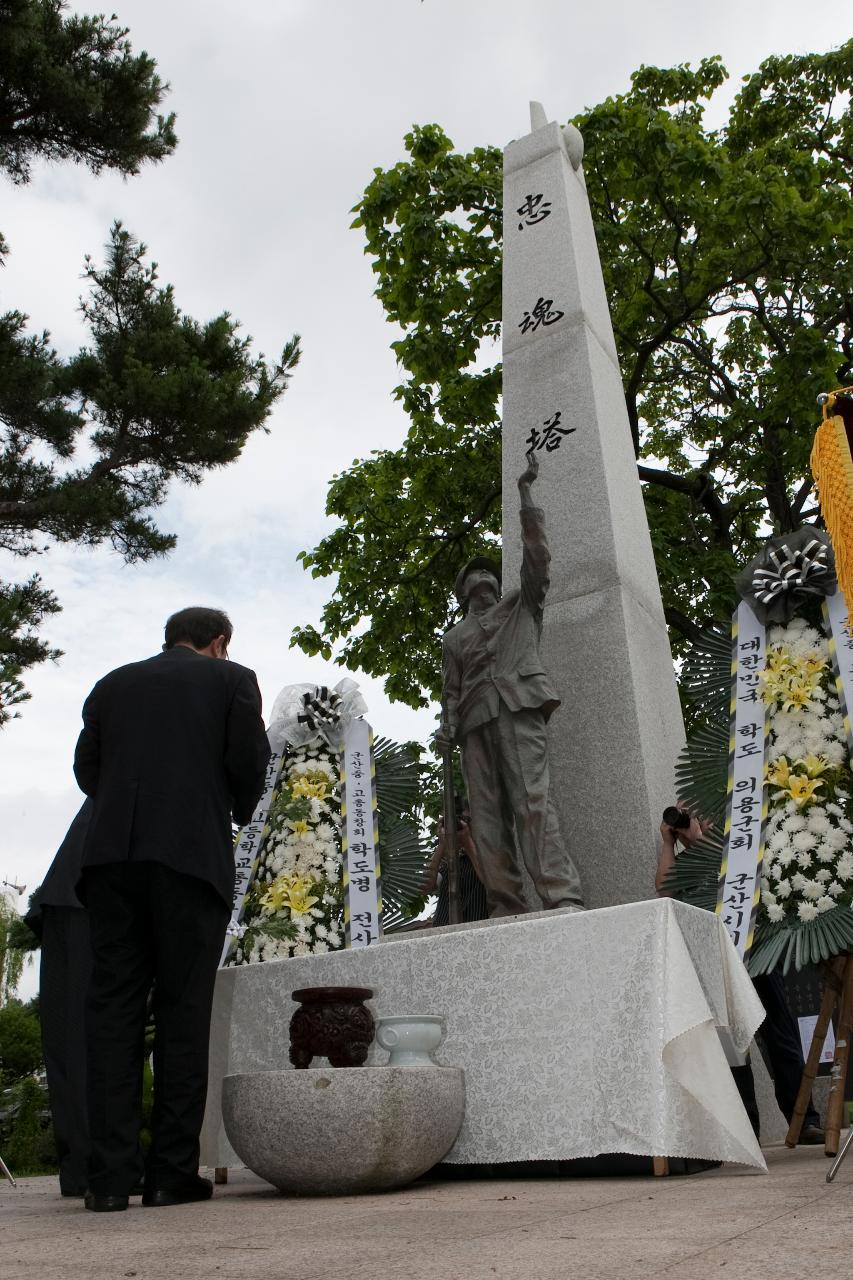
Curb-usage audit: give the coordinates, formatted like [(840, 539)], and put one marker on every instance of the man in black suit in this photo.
[(59, 920), (171, 747)]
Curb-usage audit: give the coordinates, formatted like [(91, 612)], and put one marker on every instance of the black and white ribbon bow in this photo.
[(322, 708), (790, 569), (303, 713)]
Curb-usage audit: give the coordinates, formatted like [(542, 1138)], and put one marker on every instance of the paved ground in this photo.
[(787, 1223)]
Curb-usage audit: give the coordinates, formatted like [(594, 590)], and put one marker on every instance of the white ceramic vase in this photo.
[(410, 1039)]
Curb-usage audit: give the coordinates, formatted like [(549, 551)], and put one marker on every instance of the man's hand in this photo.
[(527, 477), (465, 840), (698, 828), (444, 738)]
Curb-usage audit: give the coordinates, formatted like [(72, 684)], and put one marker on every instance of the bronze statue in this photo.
[(496, 701)]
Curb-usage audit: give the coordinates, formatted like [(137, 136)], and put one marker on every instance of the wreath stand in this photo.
[(837, 992), (4, 1170)]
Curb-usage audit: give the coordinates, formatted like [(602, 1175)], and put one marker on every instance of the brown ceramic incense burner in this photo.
[(333, 1023)]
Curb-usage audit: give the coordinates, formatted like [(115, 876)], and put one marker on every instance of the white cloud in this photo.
[(283, 113)]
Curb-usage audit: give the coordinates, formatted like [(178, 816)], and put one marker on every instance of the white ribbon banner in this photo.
[(746, 809), (247, 852), (841, 647), (362, 891)]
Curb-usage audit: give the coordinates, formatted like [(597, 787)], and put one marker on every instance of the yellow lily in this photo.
[(299, 826), (304, 786), (779, 773), (813, 765), (802, 790), (796, 696), (293, 892), (778, 660)]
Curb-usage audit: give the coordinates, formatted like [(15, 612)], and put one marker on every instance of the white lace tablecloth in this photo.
[(580, 1033)]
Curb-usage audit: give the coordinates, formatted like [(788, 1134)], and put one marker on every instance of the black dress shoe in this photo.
[(189, 1192), (104, 1204)]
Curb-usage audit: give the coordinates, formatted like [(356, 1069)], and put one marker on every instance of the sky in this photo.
[(284, 108)]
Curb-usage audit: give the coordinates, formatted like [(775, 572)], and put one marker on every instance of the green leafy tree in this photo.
[(20, 1041), (728, 262), (89, 444), (71, 88)]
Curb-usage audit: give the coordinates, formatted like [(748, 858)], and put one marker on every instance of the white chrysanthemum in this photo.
[(783, 889), (799, 881), (823, 875), (767, 896), (812, 890), (835, 753), (804, 860), (806, 911), (775, 911), (825, 903), (320, 948), (834, 809), (301, 948), (777, 841), (817, 820), (844, 869), (803, 841), (835, 889), (794, 822)]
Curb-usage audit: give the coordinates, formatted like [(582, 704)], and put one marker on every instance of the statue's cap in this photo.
[(479, 562)]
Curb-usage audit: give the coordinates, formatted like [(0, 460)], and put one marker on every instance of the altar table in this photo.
[(580, 1033)]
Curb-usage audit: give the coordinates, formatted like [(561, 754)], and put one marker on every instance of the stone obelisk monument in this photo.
[(614, 740)]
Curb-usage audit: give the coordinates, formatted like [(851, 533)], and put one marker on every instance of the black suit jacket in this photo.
[(59, 887), (171, 747)]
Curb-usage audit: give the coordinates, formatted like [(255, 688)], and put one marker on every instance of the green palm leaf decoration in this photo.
[(706, 677), (701, 771), (812, 942), (403, 852)]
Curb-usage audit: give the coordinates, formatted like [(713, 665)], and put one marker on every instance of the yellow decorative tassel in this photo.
[(832, 468)]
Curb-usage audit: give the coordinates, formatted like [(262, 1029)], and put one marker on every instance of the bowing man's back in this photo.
[(171, 748)]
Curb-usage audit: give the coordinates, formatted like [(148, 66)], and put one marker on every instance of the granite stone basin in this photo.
[(344, 1130)]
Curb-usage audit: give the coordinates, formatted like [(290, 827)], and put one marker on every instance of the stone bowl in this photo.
[(343, 1131)]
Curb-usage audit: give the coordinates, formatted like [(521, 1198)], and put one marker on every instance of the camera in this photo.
[(676, 819)]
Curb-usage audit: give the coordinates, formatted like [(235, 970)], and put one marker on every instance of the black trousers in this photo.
[(66, 966), (779, 1041), (149, 924)]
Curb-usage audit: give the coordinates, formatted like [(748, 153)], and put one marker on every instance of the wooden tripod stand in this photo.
[(837, 991), (4, 1170)]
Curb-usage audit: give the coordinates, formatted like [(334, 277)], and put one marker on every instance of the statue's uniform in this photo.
[(498, 699)]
